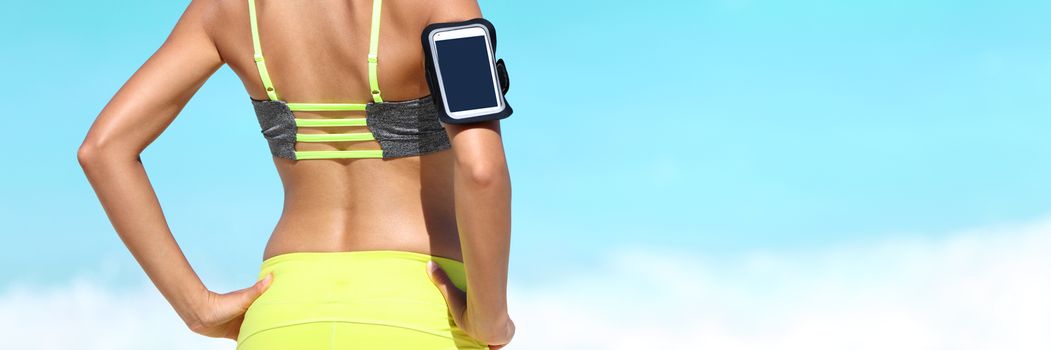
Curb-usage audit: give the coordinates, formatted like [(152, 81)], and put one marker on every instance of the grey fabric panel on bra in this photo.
[(278, 126), (402, 128), (407, 128)]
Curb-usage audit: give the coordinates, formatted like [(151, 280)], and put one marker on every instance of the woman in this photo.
[(376, 189)]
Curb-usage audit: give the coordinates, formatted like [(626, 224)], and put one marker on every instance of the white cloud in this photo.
[(981, 289), (85, 315)]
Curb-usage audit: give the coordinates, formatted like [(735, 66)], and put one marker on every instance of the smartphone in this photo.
[(466, 71)]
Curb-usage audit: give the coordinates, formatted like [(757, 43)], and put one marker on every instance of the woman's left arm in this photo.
[(141, 109)]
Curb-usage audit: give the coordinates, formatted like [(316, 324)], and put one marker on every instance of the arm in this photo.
[(143, 107), (482, 192)]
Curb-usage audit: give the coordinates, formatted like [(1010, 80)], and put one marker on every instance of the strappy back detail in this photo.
[(401, 128), (372, 59)]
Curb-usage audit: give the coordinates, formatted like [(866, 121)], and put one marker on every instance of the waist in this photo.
[(305, 234), (325, 271)]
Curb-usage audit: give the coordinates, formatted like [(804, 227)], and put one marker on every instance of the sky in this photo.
[(761, 173)]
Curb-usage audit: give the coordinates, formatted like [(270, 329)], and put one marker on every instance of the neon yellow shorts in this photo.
[(373, 299)]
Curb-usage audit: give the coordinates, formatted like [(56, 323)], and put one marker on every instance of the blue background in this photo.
[(708, 127)]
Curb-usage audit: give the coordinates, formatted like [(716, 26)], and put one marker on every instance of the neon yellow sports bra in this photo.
[(403, 128)]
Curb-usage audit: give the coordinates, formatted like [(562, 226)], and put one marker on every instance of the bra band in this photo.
[(315, 107), (354, 136), (358, 153), (313, 122)]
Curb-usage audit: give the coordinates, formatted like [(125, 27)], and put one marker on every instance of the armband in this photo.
[(434, 78)]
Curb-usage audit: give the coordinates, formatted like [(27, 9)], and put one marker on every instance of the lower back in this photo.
[(368, 204)]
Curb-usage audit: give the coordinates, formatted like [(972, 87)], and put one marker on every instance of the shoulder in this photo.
[(213, 14), (454, 10), (219, 19)]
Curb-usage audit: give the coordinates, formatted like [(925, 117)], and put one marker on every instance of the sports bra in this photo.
[(403, 128)]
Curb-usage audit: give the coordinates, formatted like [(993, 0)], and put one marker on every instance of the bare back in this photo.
[(316, 52)]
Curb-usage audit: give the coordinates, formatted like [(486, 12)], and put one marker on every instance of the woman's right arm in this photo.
[(143, 107), (482, 192)]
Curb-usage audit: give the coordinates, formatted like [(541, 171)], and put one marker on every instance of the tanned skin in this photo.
[(454, 203)]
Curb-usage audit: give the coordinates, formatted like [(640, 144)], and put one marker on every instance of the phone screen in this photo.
[(466, 75)]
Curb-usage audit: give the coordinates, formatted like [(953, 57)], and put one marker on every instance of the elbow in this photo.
[(92, 153), (88, 154), (499, 333), (484, 173)]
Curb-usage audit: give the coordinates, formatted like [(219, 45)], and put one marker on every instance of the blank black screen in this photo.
[(466, 77)]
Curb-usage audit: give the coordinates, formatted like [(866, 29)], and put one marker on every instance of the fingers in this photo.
[(455, 297), (248, 295), (264, 283)]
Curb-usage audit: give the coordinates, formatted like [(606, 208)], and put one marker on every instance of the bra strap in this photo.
[(374, 44), (260, 63)]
